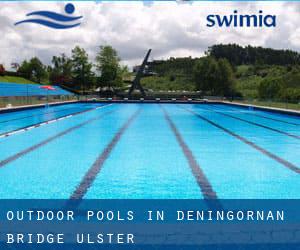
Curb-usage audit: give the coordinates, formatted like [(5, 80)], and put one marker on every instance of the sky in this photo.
[(171, 29)]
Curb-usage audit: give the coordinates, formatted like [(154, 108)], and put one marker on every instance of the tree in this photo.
[(270, 88), (81, 69), (205, 73), (238, 55), (25, 69), (214, 76), (38, 70), (108, 65), (33, 70), (290, 94), (2, 70), (224, 84), (61, 71)]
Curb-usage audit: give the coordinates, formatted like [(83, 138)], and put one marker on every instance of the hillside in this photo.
[(258, 73), (165, 83), (281, 83), (15, 79), (172, 74)]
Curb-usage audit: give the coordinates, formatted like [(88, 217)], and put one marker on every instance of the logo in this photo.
[(239, 20), (54, 20)]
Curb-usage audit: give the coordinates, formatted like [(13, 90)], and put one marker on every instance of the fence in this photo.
[(295, 105), (14, 94)]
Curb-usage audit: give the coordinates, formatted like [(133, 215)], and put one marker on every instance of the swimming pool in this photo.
[(173, 151)]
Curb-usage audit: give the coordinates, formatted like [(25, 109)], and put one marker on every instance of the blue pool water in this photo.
[(17, 120), (149, 151)]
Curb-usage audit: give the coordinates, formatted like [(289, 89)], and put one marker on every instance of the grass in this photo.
[(15, 79), (165, 83)]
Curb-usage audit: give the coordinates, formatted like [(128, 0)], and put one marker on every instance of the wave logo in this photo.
[(54, 20)]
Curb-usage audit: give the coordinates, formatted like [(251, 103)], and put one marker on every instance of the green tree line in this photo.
[(209, 75), (235, 71), (77, 71), (238, 55), (226, 70)]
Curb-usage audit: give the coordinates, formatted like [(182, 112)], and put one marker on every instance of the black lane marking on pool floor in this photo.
[(38, 114), (283, 162), (256, 124), (94, 170), (202, 181), (266, 117), (273, 119), (50, 139), (36, 125)]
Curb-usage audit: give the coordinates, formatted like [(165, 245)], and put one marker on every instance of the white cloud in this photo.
[(170, 29)]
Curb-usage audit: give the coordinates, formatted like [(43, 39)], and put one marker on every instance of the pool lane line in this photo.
[(256, 124), (23, 129), (38, 114), (50, 139), (95, 169), (201, 179), (280, 160), (266, 117), (29, 127), (273, 119)]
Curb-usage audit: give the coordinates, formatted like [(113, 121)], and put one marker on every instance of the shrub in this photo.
[(213, 76), (172, 78), (269, 88), (290, 95)]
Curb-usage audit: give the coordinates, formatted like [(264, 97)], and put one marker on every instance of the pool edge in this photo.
[(34, 106), (242, 105), (263, 108)]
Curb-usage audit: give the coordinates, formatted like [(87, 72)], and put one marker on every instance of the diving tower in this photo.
[(136, 82)]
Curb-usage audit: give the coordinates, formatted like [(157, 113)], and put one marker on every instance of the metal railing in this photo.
[(274, 103), (15, 101)]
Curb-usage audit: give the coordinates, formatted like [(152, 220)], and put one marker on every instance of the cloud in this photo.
[(169, 28)]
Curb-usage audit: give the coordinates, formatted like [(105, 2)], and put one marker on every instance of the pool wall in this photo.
[(241, 105), (245, 106)]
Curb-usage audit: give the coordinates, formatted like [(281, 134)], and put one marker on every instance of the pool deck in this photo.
[(19, 108), (263, 108)]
